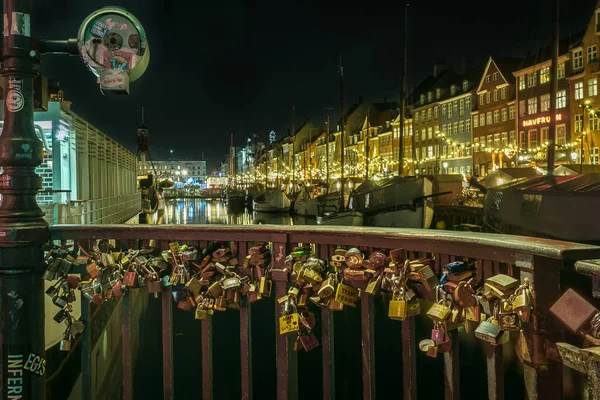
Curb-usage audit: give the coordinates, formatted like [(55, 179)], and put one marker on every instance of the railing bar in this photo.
[(86, 350), (126, 356), (409, 358), (207, 365), (167, 344), (488, 269), (327, 335), (451, 368), (245, 335), (495, 371), (368, 346)]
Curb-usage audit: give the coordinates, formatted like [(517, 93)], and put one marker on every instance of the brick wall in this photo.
[(45, 171)]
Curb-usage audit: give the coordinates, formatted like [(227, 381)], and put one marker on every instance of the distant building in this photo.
[(182, 171)]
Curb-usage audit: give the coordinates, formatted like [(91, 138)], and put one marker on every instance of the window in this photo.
[(522, 139), (532, 79), (468, 103), (593, 123), (592, 53), (455, 128), (449, 110), (476, 143), (481, 119), (545, 103), (561, 71), (513, 138), (488, 118), (424, 153), (443, 109), (488, 97), (532, 106), (423, 116), (481, 99), (561, 135), (511, 112), (416, 118), (465, 86), (429, 97), (490, 140), (544, 134), (593, 87), (496, 95), (444, 130), (422, 99), (488, 78), (496, 116), (503, 93), (435, 112), (438, 93), (455, 107), (424, 135), (429, 151), (578, 90), (594, 155), (461, 107), (476, 121), (461, 127), (436, 130), (430, 133), (522, 108), (495, 76), (452, 90), (578, 123), (545, 75), (497, 140), (468, 125), (561, 99), (533, 142), (522, 83), (578, 59), (429, 114)]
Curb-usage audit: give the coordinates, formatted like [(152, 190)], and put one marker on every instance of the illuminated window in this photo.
[(481, 99), (561, 71), (511, 112), (444, 131), (465, 86), (533, 141), (578, 123), (497, 140), (488, 78), (430, 133), (522, 83), (468, 125), (593, 87), (561, 99), (495, 76), (455, 107), (435, 112), (476, 143), (578, 59), (423, 116), (488, 97), (461, 127), (513, 138), (438, 93), (522, 139), (532, 79), (475, 121), (545, 103), (544, 134), (545, 75), (416, 118), (496, 116), (455, 128), (429, 151), (504, 114), (504, 139), (532, 106), (449, 110), (578, 90), (503, 92), (592, 53), (594, 155), (429, 97), (481, 119), (561, 134), (468, 103), (490, 141), (443, 109), (496, 95), (429, 114), (424, 134), (461, 107), (597, 21), (594, 122), (488, 118), (452, 90)]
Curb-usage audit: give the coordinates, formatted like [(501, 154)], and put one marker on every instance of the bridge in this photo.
[(541, 344)]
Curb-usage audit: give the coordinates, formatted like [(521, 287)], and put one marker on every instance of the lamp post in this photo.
[(445, 167), (581, 152)]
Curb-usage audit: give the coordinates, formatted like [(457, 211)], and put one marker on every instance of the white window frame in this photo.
[(496, 116), (511, 112), (544, 75), (578, 58), (592, 53), (561, 134), (465, 86), (561, 73), (522, 85), (532, 105), (545, 103), (579, 90), (488, 118), (468, 125), (476, 121), (504, 114), (561, 99), (503, 93), (532, 79), (593, 87), (482, 119), (578, 123)]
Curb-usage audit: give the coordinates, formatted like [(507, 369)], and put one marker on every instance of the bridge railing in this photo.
[(107, 210), (546, 263)]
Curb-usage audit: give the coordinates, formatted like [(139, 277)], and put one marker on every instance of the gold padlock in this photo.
[(328, 286), (439, 312), (264, 287), (398, 309), (374, 285)]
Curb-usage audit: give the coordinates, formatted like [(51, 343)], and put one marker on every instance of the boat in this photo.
[(272, 200), (547, 207), (310, 204), (235, 199), (345, 218), (399, 202), (251, 192)]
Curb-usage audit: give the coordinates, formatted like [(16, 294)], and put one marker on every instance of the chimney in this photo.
[(359, 100), (438, 67)]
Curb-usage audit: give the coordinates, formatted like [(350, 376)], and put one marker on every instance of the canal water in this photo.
[(347, 336)]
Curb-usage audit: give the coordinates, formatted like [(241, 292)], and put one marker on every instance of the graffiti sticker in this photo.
[(14, 97), (99, 29)]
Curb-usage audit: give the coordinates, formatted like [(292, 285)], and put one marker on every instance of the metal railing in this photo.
[(544, 262), (108, 210)]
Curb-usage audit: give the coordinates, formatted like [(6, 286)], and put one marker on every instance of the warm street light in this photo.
[(574, 156), (445, 165)]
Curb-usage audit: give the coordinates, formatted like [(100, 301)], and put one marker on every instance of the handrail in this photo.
[(465, 243)]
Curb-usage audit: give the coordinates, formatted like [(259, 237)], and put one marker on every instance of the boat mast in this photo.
[(342, 140), (553, 89), (367, 149), (403, 98), (232, 164), (293, 138), (255, 158), (327, 151), (266, 162)]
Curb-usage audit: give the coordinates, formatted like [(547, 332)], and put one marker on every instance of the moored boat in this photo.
[(236, 199), (308, 203), (272, 200), (344, 218)]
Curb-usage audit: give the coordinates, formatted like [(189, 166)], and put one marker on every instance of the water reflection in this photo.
[(200, 211)]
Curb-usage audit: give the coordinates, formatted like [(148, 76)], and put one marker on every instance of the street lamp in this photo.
[(445, 164)]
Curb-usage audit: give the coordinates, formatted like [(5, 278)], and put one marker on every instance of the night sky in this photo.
[(233, 67)]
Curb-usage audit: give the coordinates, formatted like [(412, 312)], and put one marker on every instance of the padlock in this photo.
[(64, 267), (378, 259), (437, 335), (432, 351), (92, 269), (73, 281), (130, 278), (354, 258), (573, 311), (473, 313), (258, 250), (98, 299), (49, 274), (308, 320), (264, 287), (116, 289), (522, 303), (289, 323), (309, 341), (456, 314), (65, 343), (201, 313), (503, 283), (59, 301), (189, 255), (220, 304), (398, 256), (185, 305), (374, 285), (335, 305), (428, 278), (60, 316), (76, 327), (107, 260), (439, 312), (465, 295), (397, 308), (193, 285), (488, 332), (310, 276), (414, 308), (328, 286)]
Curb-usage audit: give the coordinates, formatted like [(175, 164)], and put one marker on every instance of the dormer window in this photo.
[(465, 86), (598, 21), (438, 93), (429, 97), (452, 90), (422, 99)]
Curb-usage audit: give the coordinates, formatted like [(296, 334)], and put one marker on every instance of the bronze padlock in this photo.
[(309, 341)]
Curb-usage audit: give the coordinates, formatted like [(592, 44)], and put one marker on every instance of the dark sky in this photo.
[(234, 67)]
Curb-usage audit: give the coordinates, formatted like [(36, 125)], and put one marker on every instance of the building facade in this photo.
[(494, 120), (182, 171), (533, 109), (585, 70)]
